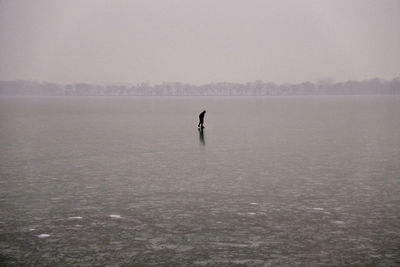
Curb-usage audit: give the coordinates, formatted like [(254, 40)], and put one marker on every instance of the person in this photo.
[(201, 117)]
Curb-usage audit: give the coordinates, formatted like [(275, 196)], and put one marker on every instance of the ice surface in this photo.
[(306, 181)]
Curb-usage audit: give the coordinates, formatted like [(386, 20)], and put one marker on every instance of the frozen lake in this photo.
[(270, 181)]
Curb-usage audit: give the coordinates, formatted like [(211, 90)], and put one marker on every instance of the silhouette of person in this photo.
[(201, 117)]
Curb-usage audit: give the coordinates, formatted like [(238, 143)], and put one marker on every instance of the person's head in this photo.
[(204, 111)]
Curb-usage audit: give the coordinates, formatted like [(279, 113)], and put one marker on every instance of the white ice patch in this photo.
[(251, 213), (318, 208), (338, 222), (75, 218), (43, 235), (228, 244), (247, 262), (253, 203), (115, 216), (184, 248)]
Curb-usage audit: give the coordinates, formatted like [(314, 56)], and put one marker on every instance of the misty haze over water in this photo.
[(257, 88), (270, 181)]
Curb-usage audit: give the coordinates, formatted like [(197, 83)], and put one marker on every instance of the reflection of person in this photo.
[(201, 135), (201, 117)]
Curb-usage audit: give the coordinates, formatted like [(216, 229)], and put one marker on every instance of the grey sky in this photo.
[(198, 41)]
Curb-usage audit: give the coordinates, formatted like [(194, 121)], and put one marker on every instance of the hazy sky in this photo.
[(198, 41)]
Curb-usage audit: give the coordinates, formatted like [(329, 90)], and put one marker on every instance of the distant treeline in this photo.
[(258, 88)]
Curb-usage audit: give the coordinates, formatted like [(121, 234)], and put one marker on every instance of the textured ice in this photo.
[(131, 182)]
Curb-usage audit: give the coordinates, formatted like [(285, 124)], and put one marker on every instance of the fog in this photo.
[(199, 41)]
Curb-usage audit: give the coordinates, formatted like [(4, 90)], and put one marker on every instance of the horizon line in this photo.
[(321, 81)]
